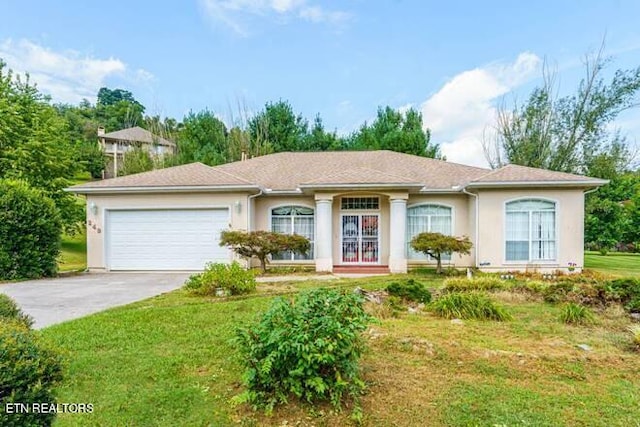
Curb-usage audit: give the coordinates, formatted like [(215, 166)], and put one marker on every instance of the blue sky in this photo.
[(452, 60)]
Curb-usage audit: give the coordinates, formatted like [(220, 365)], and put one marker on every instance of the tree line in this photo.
[(51, 146)]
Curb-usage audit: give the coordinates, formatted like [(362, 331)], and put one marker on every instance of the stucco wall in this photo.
[(463, 223), (96, 241), (262, 217), (569, 231)]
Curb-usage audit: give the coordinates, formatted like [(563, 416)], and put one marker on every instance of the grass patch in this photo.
[(576, 314), (73, 253), (472, 305), (614, 263), (170, 360)]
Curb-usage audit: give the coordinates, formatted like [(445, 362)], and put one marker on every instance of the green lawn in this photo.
[(618, 264), (170, 360), (73, 254)]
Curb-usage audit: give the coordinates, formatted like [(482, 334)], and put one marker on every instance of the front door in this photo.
[(360, 239)]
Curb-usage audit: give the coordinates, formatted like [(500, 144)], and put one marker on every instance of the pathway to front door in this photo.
[(360, 239)]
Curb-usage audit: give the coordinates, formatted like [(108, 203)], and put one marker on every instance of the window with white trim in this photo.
[(427, 218), (290, 220), (530, 230)]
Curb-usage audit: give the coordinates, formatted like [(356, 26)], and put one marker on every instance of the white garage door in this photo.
[(177, 239)]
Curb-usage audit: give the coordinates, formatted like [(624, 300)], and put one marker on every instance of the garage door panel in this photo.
[(181, 239)]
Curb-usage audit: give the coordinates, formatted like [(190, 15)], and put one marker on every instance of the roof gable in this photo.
[(523, 174), (137, 134)]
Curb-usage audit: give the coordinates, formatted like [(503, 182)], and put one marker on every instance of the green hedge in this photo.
[(30, 232), (29, 370)]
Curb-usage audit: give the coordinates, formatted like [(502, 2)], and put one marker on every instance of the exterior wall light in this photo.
[(238, 205), (93, 208)]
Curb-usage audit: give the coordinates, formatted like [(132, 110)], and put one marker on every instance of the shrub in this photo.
[(9, 310), (576, 314), (623, 290), (633, 305), (486, 283), (437, 244), (308, 347), (410, 291), (232, 278), (261, 244), (29, 370), (469, 305), (30, 230), (557, 292)]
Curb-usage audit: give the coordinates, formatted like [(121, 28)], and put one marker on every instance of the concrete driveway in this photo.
[(51, 301)]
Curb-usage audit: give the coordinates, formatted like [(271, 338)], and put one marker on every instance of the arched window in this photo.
[(290, 220), (530, 232), (427, 218)]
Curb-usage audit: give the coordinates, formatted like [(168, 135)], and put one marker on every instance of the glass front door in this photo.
[(360, 239)]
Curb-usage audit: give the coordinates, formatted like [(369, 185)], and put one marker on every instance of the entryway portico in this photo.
[(361, 229)]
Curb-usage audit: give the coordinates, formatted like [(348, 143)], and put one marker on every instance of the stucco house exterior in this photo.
[(357, 209), (115, 146)]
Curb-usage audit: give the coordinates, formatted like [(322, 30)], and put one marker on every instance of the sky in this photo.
[(455, 61)]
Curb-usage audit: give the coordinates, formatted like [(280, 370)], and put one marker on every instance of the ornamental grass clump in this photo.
[(469, 305), (460, 284), (576, 314), (308, 348)]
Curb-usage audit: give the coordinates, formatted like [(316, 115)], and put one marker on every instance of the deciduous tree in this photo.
[(437, 244)]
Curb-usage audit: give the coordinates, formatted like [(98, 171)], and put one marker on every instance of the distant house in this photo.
[(116, 144), (359, 209)]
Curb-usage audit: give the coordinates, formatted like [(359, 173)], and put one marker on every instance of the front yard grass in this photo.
[(170, 360), (73, 253), (615, 263)]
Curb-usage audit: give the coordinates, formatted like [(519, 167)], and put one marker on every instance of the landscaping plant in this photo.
[(29, 370), (576, 314), (460, 284), (469, 305), (410, 291), (437, 244), (30, 232), (232, 279), (262, 244), (308, 347), (9, 310)]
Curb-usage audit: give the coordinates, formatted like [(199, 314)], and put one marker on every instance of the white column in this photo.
[(324, 233), (397, 235)]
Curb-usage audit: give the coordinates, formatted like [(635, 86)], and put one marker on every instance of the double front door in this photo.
[(360, 239)]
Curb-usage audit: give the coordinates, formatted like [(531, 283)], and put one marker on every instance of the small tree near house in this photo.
[(261, 244), (437, 244)]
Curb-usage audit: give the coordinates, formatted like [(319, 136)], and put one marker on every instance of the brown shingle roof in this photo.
[(516, 173), (191, 175), (137, 134), (286, 171), (290, 171)]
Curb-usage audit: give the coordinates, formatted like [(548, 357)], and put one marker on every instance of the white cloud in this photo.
[(464, 108), (67, 76), (235, 13)]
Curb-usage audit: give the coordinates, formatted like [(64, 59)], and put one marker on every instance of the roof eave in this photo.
[(514, 184), (367, 186), (162, 189)]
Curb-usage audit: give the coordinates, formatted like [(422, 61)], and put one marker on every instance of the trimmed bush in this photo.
[(232, 279), (476, 284), (9, 310), (469, 305), (308, 347), (576, 314), (557, 292), (29, 370), (30, 232), (410, 291)]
